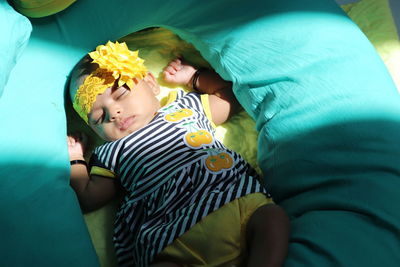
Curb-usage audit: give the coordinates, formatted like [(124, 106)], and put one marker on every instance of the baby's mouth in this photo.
[(125, 123)]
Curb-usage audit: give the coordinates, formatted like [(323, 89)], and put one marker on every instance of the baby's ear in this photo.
[(152, 82)]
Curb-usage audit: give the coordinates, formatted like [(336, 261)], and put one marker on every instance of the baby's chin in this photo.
[(115, 138), (119, 135)]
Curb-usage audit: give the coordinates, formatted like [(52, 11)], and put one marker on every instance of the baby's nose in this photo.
[(115, 114)]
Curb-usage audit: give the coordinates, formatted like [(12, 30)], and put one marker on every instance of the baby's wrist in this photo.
[(79, 162), (189, 83), (194, 80), (76, 157)]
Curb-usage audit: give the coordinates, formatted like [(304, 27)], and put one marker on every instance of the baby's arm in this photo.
[(93, 191), (222, 100)]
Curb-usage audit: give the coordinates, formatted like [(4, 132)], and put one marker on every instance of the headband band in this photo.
[(116, 64)]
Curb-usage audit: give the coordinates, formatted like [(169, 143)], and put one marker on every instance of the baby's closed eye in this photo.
[(120, 92)]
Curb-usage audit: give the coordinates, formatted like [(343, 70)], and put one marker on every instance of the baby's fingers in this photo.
[(170, 69), (176, 64), (169, 77), (70, 140), (76, 147), (77, 139)]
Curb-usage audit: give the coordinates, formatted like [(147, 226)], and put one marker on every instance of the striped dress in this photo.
[(175, 173)]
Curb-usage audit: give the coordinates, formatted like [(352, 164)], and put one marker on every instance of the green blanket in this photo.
[(159, 46)]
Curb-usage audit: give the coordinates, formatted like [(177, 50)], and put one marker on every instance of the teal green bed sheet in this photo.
[(326, 108)]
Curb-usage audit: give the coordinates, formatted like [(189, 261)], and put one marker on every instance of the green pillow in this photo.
[(15, 30), (41, 222), (40, 8)]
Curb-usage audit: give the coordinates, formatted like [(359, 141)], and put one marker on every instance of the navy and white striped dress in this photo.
[(175, 173)]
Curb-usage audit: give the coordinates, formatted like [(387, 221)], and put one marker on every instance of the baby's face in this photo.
[(119, 111)]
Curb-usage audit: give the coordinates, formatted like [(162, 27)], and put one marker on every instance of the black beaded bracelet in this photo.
[(195, 78), (78, 161)]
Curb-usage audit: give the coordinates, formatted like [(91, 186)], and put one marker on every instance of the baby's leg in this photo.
[(267, 237)]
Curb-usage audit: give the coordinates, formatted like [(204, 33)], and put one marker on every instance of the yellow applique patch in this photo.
[(198, 138), (219, 161), (178, 115)]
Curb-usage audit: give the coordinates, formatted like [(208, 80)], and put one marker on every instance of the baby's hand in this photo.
[(178, 72), (76, 146)]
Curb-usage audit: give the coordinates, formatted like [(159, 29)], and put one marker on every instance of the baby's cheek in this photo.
[(101, 132)]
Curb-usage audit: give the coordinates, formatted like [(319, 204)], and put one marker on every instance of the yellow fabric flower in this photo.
[(123, 63), (116, 63)]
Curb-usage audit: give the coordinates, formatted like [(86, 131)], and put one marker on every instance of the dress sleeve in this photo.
[(199, 102), (103, 161), (206, 107)]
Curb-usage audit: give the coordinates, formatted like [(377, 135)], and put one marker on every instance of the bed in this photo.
[(321, 123)]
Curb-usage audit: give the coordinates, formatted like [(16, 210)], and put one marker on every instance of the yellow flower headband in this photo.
[(116, 63)]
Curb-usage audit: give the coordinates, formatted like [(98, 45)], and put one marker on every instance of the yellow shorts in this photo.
[(218, 239)]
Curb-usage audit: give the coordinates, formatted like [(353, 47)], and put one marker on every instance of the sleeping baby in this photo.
[(188, 200)]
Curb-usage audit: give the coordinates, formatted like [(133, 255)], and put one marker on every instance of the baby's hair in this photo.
[(83, 68)]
